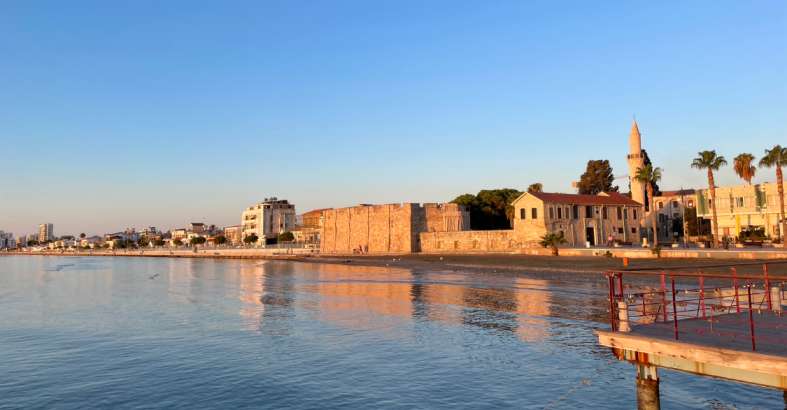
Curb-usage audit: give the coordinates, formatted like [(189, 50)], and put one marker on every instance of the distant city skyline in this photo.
[(120, 116)]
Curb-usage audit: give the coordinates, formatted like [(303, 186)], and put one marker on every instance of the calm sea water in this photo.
[(83, 333)]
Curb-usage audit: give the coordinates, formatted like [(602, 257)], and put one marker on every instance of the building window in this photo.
[(620, 212), (739, 202), (660, 205), (551, 213), (604, 212), (620, 231), (634, 213), (625, 213), (588, 211), (534, 213), (674, 204), (559, 212), (575, 211), (691, 203), (522, 213), (633, 230)]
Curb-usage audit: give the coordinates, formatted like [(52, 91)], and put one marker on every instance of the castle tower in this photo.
[(636, 161)]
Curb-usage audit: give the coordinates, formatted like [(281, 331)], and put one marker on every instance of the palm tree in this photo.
[(552, 240), (744, 168), (712, 162), (650, 176), (777, 157)]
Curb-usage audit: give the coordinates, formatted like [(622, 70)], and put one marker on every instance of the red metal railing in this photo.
[(720, 302)]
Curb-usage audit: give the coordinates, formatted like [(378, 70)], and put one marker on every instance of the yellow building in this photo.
[(742, 207), (591, 219)]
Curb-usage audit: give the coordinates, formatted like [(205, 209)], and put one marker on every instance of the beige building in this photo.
[(591, 219), (671, 209), (268, 218), (233, 234), (743, 207)]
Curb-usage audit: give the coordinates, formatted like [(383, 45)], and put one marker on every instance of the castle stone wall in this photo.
[(389, 228), (472, 241)]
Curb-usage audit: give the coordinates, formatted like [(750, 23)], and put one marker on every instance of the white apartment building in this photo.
[(46, 232), (268, 218)]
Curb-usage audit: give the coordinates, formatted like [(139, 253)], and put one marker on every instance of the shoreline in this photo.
[(474, 262)]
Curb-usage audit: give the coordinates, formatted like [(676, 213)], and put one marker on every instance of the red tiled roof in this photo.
[(610, 198)]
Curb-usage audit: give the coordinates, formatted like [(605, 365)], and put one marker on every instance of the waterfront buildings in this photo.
[(743, 208), (7, 240), (45, 232), (582, 219), (268, 219), (671, 207), (233, 234)]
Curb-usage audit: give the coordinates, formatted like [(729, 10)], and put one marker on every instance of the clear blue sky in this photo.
[(116, 114)]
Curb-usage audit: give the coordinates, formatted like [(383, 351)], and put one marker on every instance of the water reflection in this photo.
[(358, 297)]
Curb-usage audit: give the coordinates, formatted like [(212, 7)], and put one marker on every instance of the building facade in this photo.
[(234, 234), (670, 208), (389, 228), (743, 208), (46, 232), (7, 240), (583, 219), (268, 219)]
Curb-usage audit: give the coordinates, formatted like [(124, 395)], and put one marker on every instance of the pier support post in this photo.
[(647, 387), (776, 299), (623, 317)]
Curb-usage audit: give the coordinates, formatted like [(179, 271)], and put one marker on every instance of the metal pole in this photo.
[(702, 294), (620, 284), (664, 295), (674, 309), (611, 280), (735, 285), (767, 285), (751, 321)]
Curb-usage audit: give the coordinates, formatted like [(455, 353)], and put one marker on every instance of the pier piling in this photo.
[(647, 387)]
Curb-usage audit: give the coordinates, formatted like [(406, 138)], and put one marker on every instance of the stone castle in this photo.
[(389, 228)]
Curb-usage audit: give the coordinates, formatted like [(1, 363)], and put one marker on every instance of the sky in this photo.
[(150, 113)]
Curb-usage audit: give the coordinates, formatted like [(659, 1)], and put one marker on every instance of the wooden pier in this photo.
[(735, 332)]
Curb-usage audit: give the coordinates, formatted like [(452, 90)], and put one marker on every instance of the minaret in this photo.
[(636, 161)]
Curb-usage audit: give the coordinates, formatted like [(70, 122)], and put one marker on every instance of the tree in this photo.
[(197, 240), (159, 242), (143, 241), (552, 240), (710, 161), (536, 187), (650, 176), (776, 157), (646, 161), (597, 178), (743, 167), (177, 242), (220, 240), (490, 209), (82, 235), (286, 236), (251, 239)]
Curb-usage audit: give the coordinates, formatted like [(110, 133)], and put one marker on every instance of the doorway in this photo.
[(590, 236)]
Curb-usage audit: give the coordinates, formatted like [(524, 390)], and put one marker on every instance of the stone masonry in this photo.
[(389, 228)]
